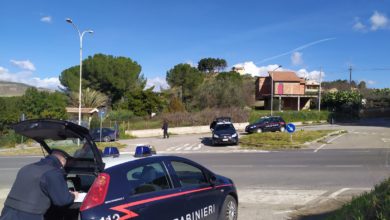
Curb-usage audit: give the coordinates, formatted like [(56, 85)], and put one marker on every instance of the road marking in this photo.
[(171, 148), (189, 148), (283, 212), (179, 148), (198, 147), (281, 197), (11, 168), (241, 166), (338, 192), (330, 141), (344, 166), (386, 140), (288, 166)]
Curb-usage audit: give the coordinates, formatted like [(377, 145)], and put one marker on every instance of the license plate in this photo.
[(225, 139)]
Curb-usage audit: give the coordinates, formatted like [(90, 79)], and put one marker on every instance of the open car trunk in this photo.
[(84, 159)]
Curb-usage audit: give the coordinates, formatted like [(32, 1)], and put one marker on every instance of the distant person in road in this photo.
[(37, 187), (165, 128)]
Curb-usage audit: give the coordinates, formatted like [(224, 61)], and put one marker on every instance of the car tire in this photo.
[(229, 209), (107, 139), (259, 130), (282, 129)]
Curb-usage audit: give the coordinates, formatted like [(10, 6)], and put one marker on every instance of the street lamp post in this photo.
[(81, 35), (272, 88)]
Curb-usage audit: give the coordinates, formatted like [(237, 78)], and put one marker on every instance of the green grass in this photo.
[(292, 116), (281, 140), (372, 205), (27, 151)]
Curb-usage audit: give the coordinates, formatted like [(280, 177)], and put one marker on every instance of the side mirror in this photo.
[(213, 180)]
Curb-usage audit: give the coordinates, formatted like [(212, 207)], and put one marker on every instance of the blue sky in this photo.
[(302, 35)]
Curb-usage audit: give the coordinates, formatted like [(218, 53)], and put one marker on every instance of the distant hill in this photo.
[(8, 89)]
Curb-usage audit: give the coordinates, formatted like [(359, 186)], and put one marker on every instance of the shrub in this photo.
[(373, 205), (9, 139)]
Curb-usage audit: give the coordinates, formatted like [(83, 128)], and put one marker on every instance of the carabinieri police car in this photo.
[(140, 186)]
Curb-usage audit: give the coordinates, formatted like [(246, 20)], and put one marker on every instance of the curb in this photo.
[(326, 136)]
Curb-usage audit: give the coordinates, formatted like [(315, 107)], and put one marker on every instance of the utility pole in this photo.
[(319, 92), (350, 76)]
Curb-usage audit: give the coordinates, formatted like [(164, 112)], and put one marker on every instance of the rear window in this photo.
[(188, 175), (75, 147)]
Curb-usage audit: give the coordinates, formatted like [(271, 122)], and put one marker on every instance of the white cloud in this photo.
[(46, 19), (359, 26), (3, 70), (27, 77), (251, 68), (158, 84), (312, 75), (23, 64), (296, 58), (371, 82), (378, 21)]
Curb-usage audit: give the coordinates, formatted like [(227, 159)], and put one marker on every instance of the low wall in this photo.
[(179, 130), (190, 130)]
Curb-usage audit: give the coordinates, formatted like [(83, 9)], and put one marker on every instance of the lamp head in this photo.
[(69, 20)]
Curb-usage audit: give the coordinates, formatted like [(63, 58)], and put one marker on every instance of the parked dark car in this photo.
[(219, 119), (224, 133), (271, 123), (108, 134)]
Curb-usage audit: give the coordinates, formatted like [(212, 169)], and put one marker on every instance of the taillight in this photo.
[(97, 193), (282, 123)]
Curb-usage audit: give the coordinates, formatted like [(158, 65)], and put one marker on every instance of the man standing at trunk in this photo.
[(38, 186), (165, 128)]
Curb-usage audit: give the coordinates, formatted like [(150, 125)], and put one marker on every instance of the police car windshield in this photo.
[(224, 127)]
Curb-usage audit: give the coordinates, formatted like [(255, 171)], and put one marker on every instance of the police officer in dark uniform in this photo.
[(37, 187), (165, 128)]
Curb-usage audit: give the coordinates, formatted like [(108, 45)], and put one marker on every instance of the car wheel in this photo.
[(107, 139), (282, 129), (229, 209), (259, 130)]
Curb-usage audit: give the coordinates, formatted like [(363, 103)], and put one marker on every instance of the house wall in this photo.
[(263, 87), (290, 88)]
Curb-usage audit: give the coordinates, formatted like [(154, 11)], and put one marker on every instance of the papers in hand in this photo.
[(81, 197)]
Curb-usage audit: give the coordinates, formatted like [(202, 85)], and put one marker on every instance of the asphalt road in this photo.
[(274, 185)]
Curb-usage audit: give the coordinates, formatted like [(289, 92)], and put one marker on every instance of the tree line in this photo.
[(117, 83)]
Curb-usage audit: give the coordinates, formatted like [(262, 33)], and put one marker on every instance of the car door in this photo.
[(147, 192), (274, 124), (202, 199), (267, 125)]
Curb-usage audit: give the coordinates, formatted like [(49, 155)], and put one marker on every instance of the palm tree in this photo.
[(90, 98)]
